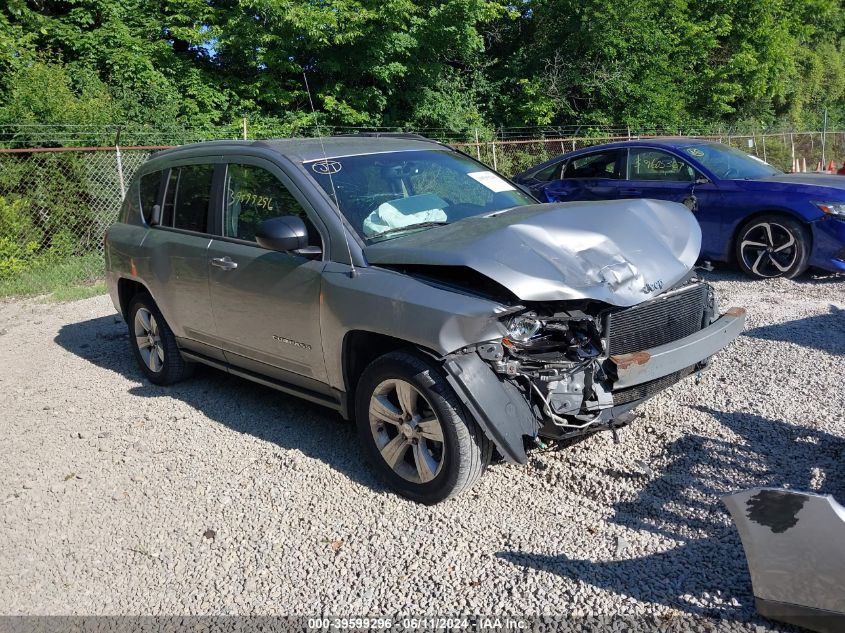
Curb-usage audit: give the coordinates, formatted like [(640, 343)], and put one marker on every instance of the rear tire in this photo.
[(415, 430), (154, 344), (772, 246)]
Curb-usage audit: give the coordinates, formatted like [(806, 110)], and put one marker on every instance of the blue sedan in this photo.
[(770, 223)]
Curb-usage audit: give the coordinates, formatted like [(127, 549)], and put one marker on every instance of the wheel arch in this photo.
[(781, 211), (126, 291), (362, 347)]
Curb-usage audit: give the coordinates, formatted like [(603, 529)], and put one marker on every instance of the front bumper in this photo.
[(651, 364), (828, 244)]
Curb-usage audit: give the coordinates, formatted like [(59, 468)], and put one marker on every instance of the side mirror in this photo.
[(285, 233), (701, 180)]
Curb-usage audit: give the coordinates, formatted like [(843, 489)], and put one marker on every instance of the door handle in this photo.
[(224, 262)]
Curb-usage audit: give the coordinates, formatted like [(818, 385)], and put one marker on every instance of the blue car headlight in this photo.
[(832, 208)]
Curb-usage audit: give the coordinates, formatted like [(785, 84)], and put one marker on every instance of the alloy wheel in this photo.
[(769, 249), (406, 431), (148, 340)]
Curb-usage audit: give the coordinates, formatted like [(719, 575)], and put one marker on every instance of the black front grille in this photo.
[(656, 322), (648, 389)]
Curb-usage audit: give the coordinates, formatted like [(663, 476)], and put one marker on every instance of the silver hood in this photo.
[(621, 252)]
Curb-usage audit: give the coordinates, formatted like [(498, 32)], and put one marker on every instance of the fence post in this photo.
[(824, 140), (477, 146), (243, 122), (792, 149), (493, 146), (119, 165)]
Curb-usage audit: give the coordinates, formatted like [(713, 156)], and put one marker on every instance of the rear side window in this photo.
[(150, 184), (609, 164), (186, 198)]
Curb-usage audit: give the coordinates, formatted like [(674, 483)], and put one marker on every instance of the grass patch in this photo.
[(49, 276), (75, 293)]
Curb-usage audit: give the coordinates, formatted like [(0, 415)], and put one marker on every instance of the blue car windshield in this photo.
[(729, 163), (387, 195)]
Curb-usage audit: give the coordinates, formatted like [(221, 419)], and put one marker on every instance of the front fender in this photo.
[(497, 405)]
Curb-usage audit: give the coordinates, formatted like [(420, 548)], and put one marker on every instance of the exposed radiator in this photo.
[(656, 322)]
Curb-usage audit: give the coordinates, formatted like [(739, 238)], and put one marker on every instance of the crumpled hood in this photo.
[(621, 252)]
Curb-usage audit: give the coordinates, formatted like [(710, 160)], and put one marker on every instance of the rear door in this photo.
[(595, 176), (266, 303), (177, 249), (654, 173)]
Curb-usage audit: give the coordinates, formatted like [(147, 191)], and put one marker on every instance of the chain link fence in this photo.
[(55, 207), (56, 203)]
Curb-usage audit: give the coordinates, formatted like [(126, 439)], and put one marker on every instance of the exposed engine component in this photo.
[(566, 360), (555, 357)]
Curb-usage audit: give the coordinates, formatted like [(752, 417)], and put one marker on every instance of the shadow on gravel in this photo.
[(821, 332), (243, 406), (682, 503)]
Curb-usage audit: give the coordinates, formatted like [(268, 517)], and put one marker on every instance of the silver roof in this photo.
[(305, 149)]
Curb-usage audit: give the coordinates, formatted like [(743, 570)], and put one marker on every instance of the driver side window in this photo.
[(252, 195), (651, 164)]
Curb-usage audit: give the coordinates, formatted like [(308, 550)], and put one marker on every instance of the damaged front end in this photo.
[(565, 369)]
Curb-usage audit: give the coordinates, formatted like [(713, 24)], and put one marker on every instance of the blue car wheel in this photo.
[(772, 246)]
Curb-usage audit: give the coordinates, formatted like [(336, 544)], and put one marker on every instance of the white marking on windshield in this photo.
[(491, 181)]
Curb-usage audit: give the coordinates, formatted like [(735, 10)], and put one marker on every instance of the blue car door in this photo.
[(593, 176), (658, 174)]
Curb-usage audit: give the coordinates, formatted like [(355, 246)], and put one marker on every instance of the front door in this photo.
[(654, 173), (266, 304)]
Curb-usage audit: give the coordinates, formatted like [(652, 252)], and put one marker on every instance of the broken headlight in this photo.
[(523, 327)]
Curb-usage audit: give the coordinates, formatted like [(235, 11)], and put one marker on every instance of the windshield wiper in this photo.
[(400, 229)]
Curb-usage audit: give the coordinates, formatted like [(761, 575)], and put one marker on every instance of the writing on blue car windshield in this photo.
[(729, 163), (387, 195)]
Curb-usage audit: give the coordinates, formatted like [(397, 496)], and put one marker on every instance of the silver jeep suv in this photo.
[(412, 289)]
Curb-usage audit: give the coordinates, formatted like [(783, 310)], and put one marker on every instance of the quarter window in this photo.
[(253, 195), (650, 164), (549, 173), (150, 185), (600, 165)]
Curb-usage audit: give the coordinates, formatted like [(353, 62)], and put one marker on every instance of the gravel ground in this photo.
[(217, 496)]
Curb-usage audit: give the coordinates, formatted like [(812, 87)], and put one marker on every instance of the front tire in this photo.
[(415, 431), (154, 344), (772, 246)]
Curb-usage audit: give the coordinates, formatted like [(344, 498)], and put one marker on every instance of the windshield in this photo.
[(728, 163), (388, 195)]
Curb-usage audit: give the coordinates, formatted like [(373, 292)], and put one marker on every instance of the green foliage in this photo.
[(457, 64)]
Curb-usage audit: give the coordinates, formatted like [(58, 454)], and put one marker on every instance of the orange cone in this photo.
[(819, 166), (804, 164), (831, 167)]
